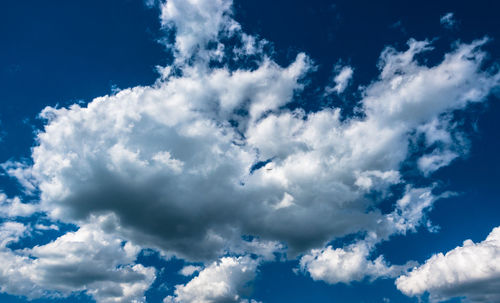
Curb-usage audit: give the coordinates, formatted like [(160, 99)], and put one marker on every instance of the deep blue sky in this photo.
[(62, 52)]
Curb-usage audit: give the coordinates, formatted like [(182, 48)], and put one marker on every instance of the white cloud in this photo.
[(354, 262), (86, 260), (437, 131), (224, 281), (435, 160), (344, 265), (471, 271), (341, 80), (144, 143), (172, 161), (190, 270), (374, 179), (170, 165), (46, 227), (196, 22), (446, 142), (13, 207), (448, 20), (20, 172), (410, 210), (11, 232)]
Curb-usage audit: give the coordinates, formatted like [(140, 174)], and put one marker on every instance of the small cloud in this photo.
[(448, 21), (151, 3), (46, 227), (190, 270), (341, 80), (398, 25)]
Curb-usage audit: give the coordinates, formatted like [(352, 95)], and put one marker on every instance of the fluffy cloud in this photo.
[(147, 149), (344, 265), (209, 157), (86, 260), (196, 23), (189, 270), (224, 281), (13, 207), (471, 271)]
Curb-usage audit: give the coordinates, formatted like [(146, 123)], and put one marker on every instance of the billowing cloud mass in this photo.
[(471, 271), (209, 157), (140, 154)]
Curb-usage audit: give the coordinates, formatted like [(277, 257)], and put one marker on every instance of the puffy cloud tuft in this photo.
[(13, 207), (196, 23), (224, 281), (341, 79), (344, 265)]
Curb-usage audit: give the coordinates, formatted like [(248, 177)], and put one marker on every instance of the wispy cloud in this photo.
[(448, 20)]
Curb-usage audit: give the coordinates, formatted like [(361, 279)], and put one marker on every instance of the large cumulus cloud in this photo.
[(173, 162)]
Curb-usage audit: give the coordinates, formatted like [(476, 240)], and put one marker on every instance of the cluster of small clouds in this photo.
[(171, 167)]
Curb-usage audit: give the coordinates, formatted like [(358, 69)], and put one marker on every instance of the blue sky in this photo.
[(247, 151)]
